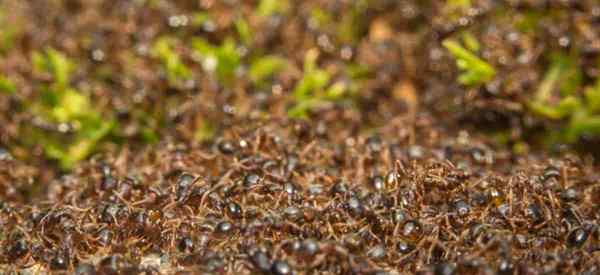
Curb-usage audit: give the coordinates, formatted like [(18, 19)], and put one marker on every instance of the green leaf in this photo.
[(223, 60), (8, 33), (458, 4), (311, 83), (352, 22), (565, 107), (7, 38), (570, 76), (314, 79), (268, 8), (544, 91), (583, 124), (320, 17), (300, 109), (72, 105), (357, 71), (202, 46), (174, 67), (228, 60), (564, 75), (149, 135), (70, 154), (471, 42), (336, 91), (205, 131), (243, 30), (6, 85), (475, 70), (60, 103), (264, 67), (54, 63), (313, 89), (592, 97), (199, 18), (528, 21)]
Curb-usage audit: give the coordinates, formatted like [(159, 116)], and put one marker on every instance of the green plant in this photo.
[(560, 69), (6, 85), (458, 4), (222, 60), (352, 22), (8, 32), (475, 71), (320, 17), (454, 9), (61, 104), (268, 8), (243, 30), (204, 131), (199, 18), (527, 21), (580, 113), (261, 68), (314, 89), (175, 69)]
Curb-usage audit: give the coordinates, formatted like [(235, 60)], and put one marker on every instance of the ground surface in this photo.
[(313, 137)]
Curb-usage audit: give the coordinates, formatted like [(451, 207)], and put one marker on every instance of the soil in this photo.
[(408, 176)]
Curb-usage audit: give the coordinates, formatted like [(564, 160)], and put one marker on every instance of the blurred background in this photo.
[(81, 79)]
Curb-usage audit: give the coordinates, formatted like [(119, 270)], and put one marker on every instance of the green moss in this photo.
[(175, 70), (55, 64), (528, 21), (205, 131), (199, 18), (577, 113), (60, 103), (453, 9), (563, 76), (315, 89), (458, 4), (222, 60), (474, 70), (7, 86), (264, 67), (320, 17), (268, 8), (561, 110), (592, 97), (243, 30), (351, 25), (8, 32)]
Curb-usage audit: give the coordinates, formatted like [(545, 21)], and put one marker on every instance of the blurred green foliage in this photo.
[(243, 30), (222, 60), (346, 27), (55, 64), (8, 32), (560, 97), (268, 8), (475, 71), (454, 9), (561, 74), (6, 85), (315, 89), (175, 70), (61, 104), (557, 98), (528, 21), (458, 4), (199, 18), (205, 131), (264, 67)]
